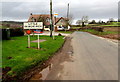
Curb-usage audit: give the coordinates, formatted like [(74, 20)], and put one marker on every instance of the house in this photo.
[(45, 18), (61, 22)]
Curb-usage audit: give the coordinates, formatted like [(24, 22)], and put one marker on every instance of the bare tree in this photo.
[(70, 19), (83, 21), (79, 22)]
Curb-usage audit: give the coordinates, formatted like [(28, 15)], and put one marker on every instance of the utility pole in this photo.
[(67, 16), (51, 17), (68, 11)]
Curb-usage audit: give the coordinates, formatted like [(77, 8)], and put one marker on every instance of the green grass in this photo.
[(24, 58), (100, 33), (76, 27), (4, 27), (107, 25), (115, 23)]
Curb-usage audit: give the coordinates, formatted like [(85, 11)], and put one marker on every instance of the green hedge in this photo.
[(7, 33)]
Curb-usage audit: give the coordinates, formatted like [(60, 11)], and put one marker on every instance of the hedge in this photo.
[(7, 33)]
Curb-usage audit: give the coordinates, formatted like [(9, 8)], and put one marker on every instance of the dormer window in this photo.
[(47, 20), (33, 19), (61, 20)]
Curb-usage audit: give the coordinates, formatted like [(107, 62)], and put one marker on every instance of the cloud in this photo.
[(95, 9)]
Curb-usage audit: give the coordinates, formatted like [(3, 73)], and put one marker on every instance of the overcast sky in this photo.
[(20, 10)]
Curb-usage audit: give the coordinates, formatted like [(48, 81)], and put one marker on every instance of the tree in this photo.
[(100, 22), (93, 22), (70, 19), (111, 20), (79, 22), (82, 21)]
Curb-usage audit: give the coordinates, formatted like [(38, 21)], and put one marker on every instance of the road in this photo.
[(93, 59)]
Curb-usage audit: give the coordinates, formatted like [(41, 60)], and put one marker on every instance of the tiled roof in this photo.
[(38, 16), (44, 16), (57, 19)]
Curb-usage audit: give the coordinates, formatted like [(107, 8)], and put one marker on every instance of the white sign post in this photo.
[(28, 41), (33, 25), (38, 42)]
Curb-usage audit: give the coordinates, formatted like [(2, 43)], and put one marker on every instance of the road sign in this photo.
[(38, 31), (37, 27), (28, 32), (33, 25), (56, 15)]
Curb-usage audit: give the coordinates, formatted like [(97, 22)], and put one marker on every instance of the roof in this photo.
[(37, 16), (57, 19)]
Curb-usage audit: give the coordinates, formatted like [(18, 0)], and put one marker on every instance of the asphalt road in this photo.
[(93, 59)]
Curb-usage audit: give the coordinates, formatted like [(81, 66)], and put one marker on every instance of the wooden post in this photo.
[(38, 42), (53, 33), (51, 18), (28, 41)]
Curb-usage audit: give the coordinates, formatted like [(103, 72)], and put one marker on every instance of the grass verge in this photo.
[(106, 34), (99, 33), (112, 24), (19, 58)]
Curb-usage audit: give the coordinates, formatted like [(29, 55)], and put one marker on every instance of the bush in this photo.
[(16, 32), (7, 33)]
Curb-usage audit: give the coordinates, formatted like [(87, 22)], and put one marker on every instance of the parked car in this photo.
[(69, 27), (46, 28), (60, 28)]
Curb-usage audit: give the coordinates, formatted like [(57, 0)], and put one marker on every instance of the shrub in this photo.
[(7, 33), (16, 32)]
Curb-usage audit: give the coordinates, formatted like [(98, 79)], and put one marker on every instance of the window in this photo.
[(33, 19), (47, 20), (61, 20), (40, 19)]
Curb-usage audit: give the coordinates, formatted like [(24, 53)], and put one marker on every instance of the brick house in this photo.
[(45, 18)]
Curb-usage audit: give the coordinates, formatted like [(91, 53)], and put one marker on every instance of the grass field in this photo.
[(112, 24), (100, 33), (76, 27), (3, 27), (108, 33), (23, 58)]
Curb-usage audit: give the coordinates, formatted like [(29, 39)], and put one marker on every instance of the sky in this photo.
[(19, 10)]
